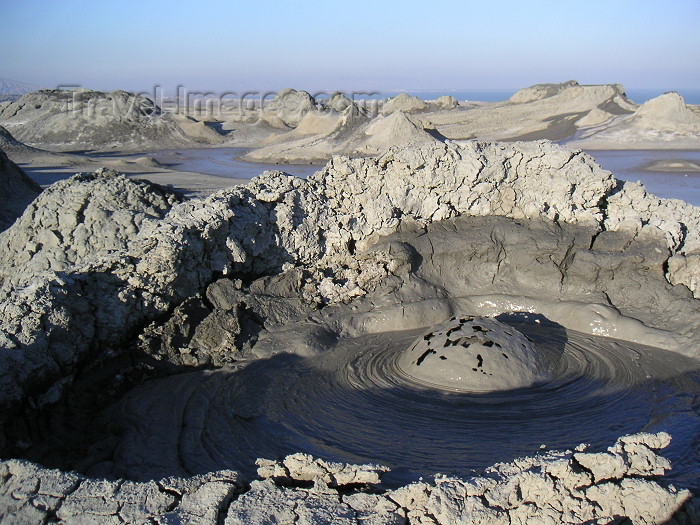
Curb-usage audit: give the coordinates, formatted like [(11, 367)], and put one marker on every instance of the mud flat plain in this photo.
[(432, 328)]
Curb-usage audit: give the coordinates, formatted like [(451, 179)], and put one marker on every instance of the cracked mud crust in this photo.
[(554, 487)]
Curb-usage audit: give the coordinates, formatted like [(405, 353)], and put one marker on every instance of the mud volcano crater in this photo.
[(426, 310), (366, 399), (416, 375)]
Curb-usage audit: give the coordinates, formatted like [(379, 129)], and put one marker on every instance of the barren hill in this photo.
[(70, 120), (662, 122), (320, 137), (542, 111)]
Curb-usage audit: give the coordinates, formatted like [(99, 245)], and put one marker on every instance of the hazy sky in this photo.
[(217, 45)]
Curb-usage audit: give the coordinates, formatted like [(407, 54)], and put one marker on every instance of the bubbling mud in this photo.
[(364, 399), (475, 355)]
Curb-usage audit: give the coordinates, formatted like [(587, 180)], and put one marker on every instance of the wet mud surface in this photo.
[(354, 403)]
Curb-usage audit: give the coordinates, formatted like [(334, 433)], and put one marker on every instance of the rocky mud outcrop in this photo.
[(555, 487)]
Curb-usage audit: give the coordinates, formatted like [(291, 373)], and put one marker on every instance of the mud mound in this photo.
[(540, 91), (662, 122), (346, 134), (405, 103), (338, 102), (397, 129), (318, 136), (65, 120), (446, 102), (594, 117), (148, 162), (672, 165), (11, 144), (317, 123), (288, 107), (320, 128), (667, 112), (75, 219), (474, 355), (17, 190)]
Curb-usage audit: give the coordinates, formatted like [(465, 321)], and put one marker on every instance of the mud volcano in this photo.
[(438, 309)]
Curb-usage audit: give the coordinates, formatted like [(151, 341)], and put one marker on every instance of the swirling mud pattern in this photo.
[(367, 399)]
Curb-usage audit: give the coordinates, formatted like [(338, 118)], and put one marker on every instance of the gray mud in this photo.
[(334, 385), (353, 403), (284, 316)]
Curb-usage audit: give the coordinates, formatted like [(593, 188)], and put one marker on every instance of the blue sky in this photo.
[(410, 45)]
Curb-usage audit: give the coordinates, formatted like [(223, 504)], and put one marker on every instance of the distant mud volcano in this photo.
[(438, 309), (83, 119)]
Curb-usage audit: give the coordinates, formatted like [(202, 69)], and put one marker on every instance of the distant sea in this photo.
[(691, 96)]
